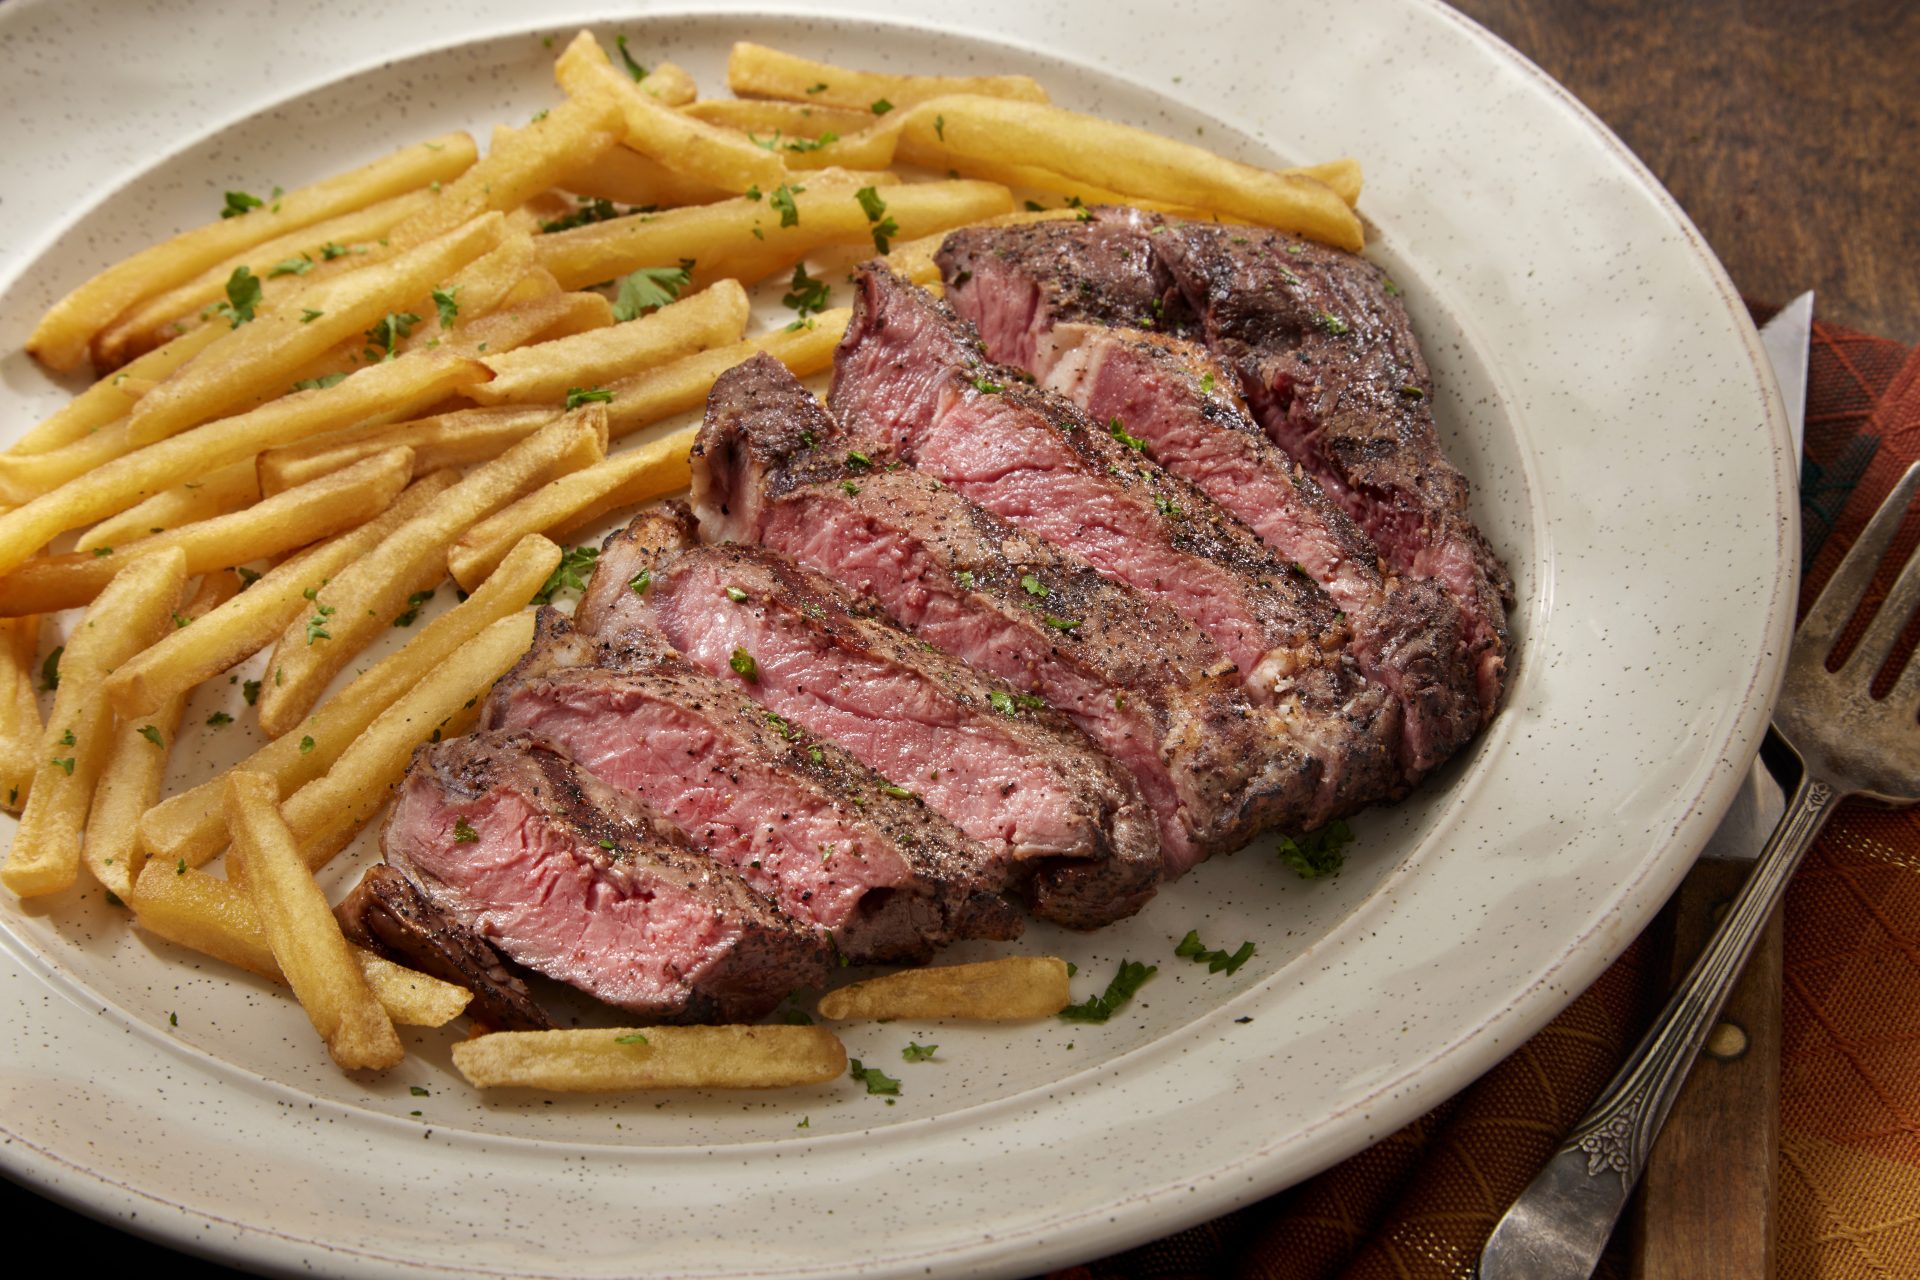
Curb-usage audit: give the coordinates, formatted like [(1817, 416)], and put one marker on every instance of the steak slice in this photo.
[(1145, 684), (835, 845), (576, 881), (390, 917), (1062, 822)]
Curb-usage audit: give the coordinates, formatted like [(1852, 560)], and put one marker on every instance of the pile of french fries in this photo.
[(418, 370)]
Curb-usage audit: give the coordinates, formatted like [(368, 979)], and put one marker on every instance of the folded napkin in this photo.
[(1420, 1205)]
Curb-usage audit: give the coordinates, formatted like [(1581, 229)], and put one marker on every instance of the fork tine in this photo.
[(1871, 653), (1844, 590)]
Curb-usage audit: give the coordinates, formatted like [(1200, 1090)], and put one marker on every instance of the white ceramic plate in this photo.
[(1600, 384)]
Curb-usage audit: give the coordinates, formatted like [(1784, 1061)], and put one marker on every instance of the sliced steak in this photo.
[(834, 844), (1064, 824), (1145, 684), (390, 917), (575, 880)]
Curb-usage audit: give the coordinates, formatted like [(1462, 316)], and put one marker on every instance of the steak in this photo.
[(834, 844), (1147, 686), (390, 917), (1063, 823), (575, 880)]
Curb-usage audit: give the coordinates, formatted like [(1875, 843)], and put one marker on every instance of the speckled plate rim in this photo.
[(1391, 1100)]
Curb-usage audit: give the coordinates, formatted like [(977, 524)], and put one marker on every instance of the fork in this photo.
[(1849, 744)]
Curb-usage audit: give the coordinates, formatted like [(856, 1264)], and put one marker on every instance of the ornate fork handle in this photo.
[(1558, 1225)]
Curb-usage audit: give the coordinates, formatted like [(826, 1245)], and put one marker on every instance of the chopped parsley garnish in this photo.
[(884, 227), (1166, 507), (219, 720), (964, 578), (1413, 392), (447, 302), (329, 251), (1393, 290), (1003, 703), (239, 202), (817, 88), (64, 762), (940, 127), (812, 144), (876, 1080), (306, 743), (320, 383), (634, 69), (632, 1037), (736, 595), (1319, 853), (577, 396), (414, 602), (243, 295), (640, 581), (881, 106), (180, 867), (179, 619), (100, 553), (290, 267), (752, 192), (782, 200), (1033, 586), (1132, 975), (784, 727), (386, 335), (918, 1052), (592, 209), (50, 669), (152, 734), (308, 315), (250, 690), (858, 460), (1119, 432), (317, 624), (849, 488), (986, 386), (462, 833), (898, 793), (417, 1091), (569, 575), (1191, 948), (1332, 323), (744, 666), (808, 296), (1206, 384), (605, 843), (649, 288), (1062, 624), (68, 740)]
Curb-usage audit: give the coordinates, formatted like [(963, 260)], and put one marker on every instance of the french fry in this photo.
[(944, 132), (513, 172), (189, 826), (136, 766), (287, 520), (624, 175), (245, 625), (545, 372), (60, 340), (720, 237), (216, 918), (1343, 175), (365, 597), (220, 493), (671, 84), (646, 398), (266, 353), (287, 257), (476, 290), (20, 726), (612, 1059), (1006, 990), (25, 476), (109, 400), (781, 122), (628, 479), (390, 389), (679, 141), (136, 609), (457, 439), (557, 315), (329, 811), (305, 938), (755, 71)]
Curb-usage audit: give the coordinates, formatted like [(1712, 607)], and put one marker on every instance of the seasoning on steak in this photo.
[(1145, 684), (834, 844), (1063, 824), (390, 917), (575, 880)]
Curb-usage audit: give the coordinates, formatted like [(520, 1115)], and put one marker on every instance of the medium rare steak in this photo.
[(1318, 342), (575, 880), (1063, 823), (389, 916), (1145, 684), (834, 844)]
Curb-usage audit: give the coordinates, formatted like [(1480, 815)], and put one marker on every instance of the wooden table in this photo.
[(1789, 131)]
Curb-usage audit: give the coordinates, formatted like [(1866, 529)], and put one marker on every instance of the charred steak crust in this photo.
[(390, 917), (1066, 827), (578, 881)]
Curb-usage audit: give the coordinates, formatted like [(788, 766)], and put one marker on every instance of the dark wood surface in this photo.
[(1789, 130)]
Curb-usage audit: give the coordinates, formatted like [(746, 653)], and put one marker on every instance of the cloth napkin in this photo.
[(1419, 1205)]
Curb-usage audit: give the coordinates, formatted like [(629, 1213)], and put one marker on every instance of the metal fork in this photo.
[(1849, 744)]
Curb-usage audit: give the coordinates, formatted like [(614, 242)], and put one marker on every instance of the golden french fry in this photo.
[(646, 398), (943, 132), (624, 175), (305, 938), (20, 726), (457, 439), (364, 598), (216, 917), (781, 123), (869, 148), (136, 766), (721, 238), (679, 141), (1343, 175), (671, 84), (189, 826), (627, 479), (545, 372), (136, 609), (755, 71), (283, 258), (25, 476), (391, 389), (533, 159), (280, 523), (603, 1060), (476, 290), (327, 812), (222, 492), (109, 400), (245, 625), (266, 353), (1004, 990), (557, 315), (60, 340)]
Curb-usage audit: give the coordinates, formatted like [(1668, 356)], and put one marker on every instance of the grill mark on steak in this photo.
[(1064, 824), (389, 916), (577, 881), (1146, 685), (804, 823)]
